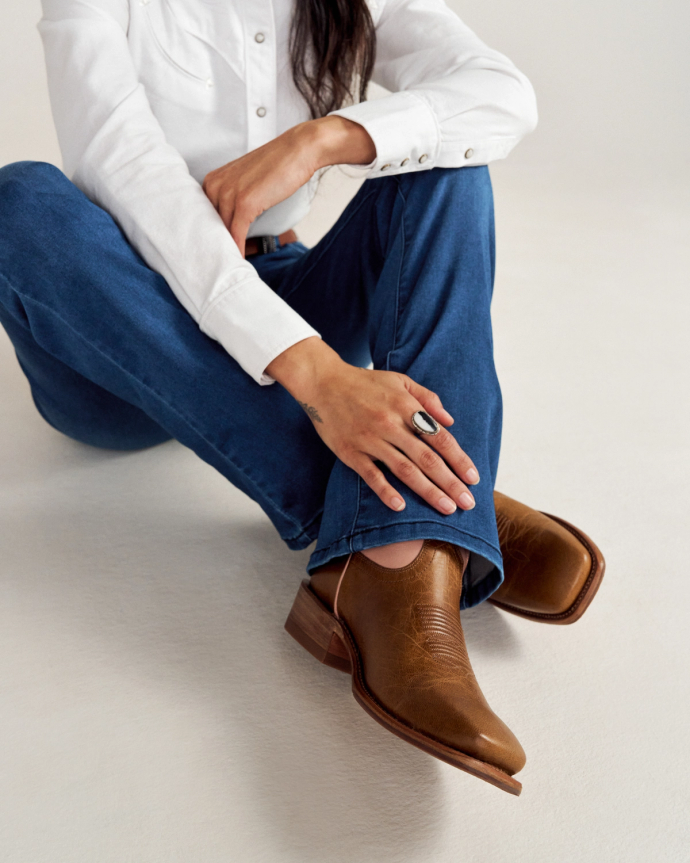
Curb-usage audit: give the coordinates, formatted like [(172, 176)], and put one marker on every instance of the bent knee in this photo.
[(453, 196), (21, 181), (470, 177), (30, 172), (124, 428)]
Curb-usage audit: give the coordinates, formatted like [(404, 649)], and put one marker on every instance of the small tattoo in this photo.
[(311, 412)]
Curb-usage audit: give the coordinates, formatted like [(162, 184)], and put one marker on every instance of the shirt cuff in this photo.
[(254, 325), (404, 130)]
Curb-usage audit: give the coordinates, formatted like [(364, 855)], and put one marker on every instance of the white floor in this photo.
[(153, 710)]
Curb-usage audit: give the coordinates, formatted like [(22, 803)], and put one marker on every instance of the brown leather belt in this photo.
[(266, 245)]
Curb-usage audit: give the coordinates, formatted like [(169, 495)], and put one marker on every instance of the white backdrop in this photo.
[(151, 707), (612, 79)]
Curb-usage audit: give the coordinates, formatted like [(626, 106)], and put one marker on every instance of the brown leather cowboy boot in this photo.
[(398, 632), (552, 569)]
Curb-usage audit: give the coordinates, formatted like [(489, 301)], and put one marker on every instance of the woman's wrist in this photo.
[(302, 368), (335, 140)]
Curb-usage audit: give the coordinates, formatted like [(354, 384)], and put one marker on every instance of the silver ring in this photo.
[(425, 424)]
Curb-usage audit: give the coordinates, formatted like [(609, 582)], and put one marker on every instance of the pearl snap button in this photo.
[(422, 159), (385, 167), (209, 83), (404, 162), (259, 37), (261, 112), (469, 153)]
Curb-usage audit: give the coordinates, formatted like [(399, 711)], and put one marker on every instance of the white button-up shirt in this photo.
[(149, 96)]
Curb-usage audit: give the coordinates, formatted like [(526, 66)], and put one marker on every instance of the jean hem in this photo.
[(300, 542), (375, 536)]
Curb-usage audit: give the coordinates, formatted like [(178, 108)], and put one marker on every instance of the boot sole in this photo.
[(586, 594), (313, 626)]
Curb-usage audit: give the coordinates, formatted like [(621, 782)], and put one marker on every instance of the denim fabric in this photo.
[(404, 279)]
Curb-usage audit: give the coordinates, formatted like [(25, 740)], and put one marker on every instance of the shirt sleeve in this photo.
[(454, 101), (115, 151)]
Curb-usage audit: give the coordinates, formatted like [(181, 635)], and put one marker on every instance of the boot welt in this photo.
[(586, 594), (313, 626)]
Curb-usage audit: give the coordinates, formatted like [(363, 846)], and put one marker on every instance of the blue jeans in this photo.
[(404, 279)]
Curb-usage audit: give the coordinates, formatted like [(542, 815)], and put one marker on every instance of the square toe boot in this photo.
[(552, 569), (398, 632)]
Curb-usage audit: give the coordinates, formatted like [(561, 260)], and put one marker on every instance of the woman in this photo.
[(161, 293)]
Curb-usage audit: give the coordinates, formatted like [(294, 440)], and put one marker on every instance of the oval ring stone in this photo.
[(424, 423)]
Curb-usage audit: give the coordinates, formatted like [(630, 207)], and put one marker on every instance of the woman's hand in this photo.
[(243, 189), (364, 417)]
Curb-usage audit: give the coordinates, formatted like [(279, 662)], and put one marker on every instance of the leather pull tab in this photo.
[(337, 590)]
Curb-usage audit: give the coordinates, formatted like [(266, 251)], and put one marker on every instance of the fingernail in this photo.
[(398, 503), (472, 476), (447, 505), (466, 500)]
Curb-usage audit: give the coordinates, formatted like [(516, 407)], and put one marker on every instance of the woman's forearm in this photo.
[(331, 141), (242, 190)]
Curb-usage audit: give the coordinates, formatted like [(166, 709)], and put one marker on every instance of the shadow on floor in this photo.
[(192, 593)]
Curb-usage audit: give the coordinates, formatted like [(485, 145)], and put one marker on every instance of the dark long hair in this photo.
[(332, 48)]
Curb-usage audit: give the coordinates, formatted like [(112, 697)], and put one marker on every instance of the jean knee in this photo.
[(21, 181), (468, 181), (31, 173), (115, 426), (452, 199)]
